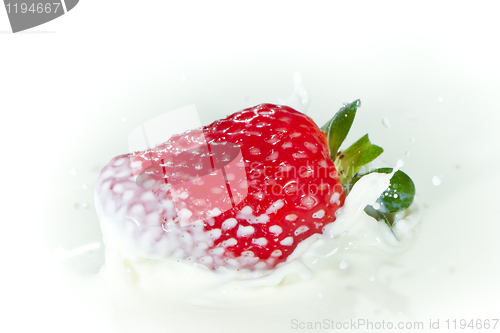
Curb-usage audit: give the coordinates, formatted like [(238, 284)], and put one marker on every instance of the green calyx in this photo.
[(401, 191), (337, 128), (360, 153)]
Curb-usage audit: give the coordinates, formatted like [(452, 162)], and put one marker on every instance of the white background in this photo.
[(64, 83)]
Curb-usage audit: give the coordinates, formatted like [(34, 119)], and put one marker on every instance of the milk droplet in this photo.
[(399, 164), (412, 139), (436, 181), (343, 264), (85, 186), (440, 99), (407, 153), (376, 205), (386, 123), (247, 98), (372, 278), (85, 205), (73, 171)]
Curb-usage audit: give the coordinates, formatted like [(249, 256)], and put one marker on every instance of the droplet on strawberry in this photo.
[(242, 192)]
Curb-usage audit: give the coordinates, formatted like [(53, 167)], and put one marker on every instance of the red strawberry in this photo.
[(242, 192)]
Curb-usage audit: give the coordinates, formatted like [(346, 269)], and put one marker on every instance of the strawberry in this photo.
[(242, 192)]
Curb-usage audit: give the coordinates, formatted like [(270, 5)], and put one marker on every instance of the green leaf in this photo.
[(400, 193), (360, 153), (377, 215), (337, 128)]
